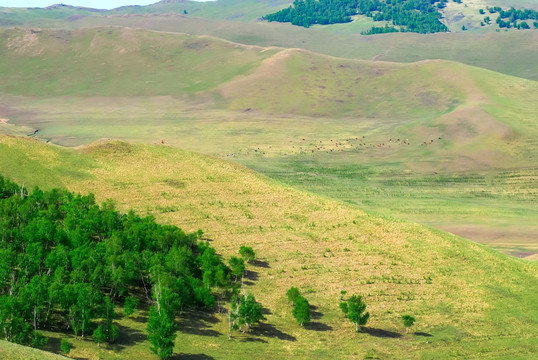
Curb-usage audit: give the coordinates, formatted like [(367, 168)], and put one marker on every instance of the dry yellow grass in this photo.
[(319, 245)]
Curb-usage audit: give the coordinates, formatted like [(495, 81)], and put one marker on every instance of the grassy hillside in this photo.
[(15, 352), (234, 10), (301, 83), (113, 61), (340, 116), (469, 301), (484, 50), (235, 20)]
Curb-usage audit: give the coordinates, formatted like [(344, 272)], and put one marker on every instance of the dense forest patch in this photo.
[(66, 263), (420, 16)]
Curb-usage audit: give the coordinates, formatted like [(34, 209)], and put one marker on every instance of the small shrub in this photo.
[(39, 341)]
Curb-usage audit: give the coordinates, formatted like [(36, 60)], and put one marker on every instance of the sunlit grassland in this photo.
[(298, 82), (112, 62), (469, 300), (234, 10), (495, 208), (484, 50), (17, 352), (235, 21), (435, 142)]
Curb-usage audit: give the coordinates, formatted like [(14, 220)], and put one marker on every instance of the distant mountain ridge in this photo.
[(60, 6)]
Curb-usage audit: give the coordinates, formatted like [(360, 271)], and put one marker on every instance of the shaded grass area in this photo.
[(470, 301)]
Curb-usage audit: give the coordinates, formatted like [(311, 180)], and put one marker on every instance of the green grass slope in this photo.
[(488, 50), (234, 10), (476, 178), (469, 301), (11, 351), (236, 20), (108, 62)]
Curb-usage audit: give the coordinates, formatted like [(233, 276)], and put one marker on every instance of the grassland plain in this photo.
[(469, 301), (340, 116)]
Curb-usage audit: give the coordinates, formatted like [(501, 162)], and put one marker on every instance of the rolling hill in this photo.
[(430, 122), (235, 20), (470, 301), (319, 147)]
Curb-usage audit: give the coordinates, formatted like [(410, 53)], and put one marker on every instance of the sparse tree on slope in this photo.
[(130, 305), (237, 265), (99, 335), (245, 311), (355, 311), (161, 327), (247, 253), (408, 321), (301, 311), (292, 294)]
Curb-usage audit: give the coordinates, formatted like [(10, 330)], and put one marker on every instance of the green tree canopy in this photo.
[(292, 294), (64, 257), (355, 311), (408, 321), (247, 253), (301, 311), (245, 311)]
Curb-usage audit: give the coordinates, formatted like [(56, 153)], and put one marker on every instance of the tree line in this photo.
[(420, 16)]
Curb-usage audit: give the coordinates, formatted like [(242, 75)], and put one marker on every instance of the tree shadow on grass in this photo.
[(419, 333), (270, 331), (53, 345), (128, 337), (251, 275), (182, 356), (266, 311), (260, 263), (381, 333), (254, 339), (316, 315), (199, 323), (317, 326)]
